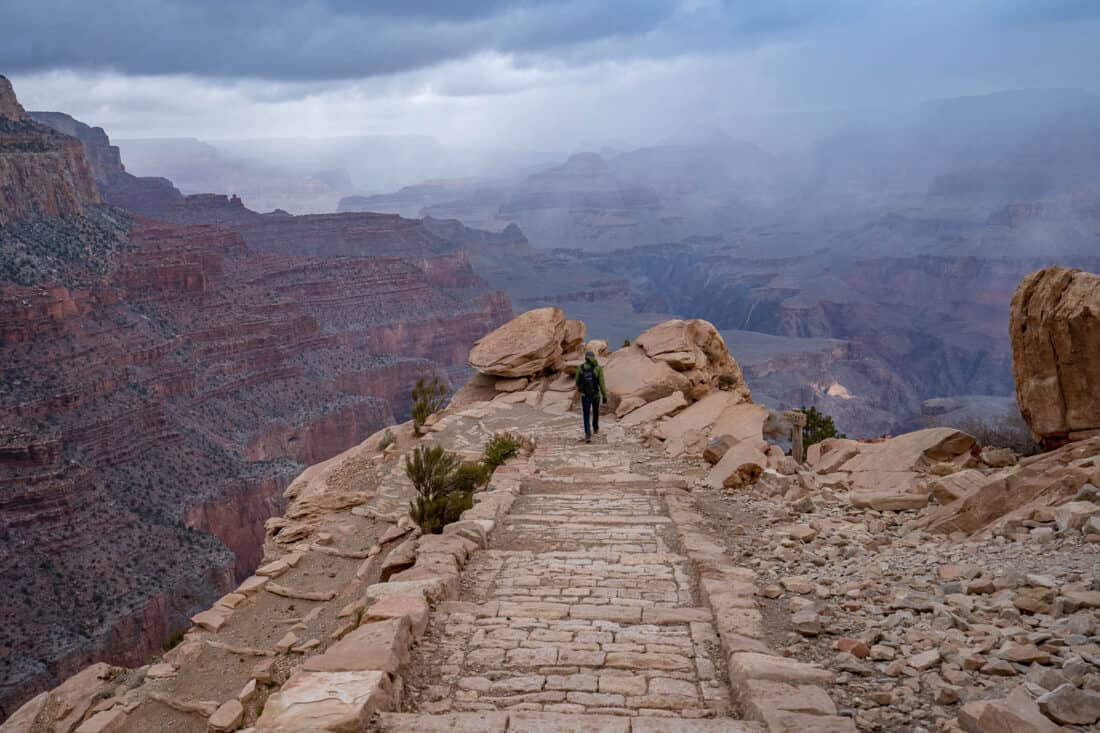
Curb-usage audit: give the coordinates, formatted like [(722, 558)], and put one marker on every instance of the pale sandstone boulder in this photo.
[(1017, 713), (747, 451), (656, 409), (378, 645), (338, 702), (1047, 480), (887, 476), (1055, 328), (716, 415), (629, 373), (527, 345), (67, 704), (572, 343), (598, 347), (696, 348)]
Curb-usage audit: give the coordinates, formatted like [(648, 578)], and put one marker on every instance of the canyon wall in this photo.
[(164, 380)]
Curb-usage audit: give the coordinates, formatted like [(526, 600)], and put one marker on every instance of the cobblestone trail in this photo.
[(582, 615)]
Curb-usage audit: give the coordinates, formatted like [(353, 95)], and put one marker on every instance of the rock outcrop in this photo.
[(616, 587), (526, 346), (163, 383), (1055, 326), (42, 172)]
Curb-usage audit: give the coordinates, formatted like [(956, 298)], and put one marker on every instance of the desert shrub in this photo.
[(173, 639), (726, 381), (503, 446), (626, 343), (470, 477), (432, 515), (427, 399), (819, 426), (432, 471)]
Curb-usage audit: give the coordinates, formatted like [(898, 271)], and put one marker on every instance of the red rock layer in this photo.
[(159, 412), (41, 171)]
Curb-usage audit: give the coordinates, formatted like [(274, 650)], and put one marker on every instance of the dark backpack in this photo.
[(590, 383)]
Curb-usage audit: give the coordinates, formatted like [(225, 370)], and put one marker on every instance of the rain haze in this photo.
[(530, 75)]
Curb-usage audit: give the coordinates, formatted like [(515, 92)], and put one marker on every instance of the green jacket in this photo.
[(592, 364)]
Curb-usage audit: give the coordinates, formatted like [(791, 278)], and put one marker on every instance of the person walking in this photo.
[(590, 384)]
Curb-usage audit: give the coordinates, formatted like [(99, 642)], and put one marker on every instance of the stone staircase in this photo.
[(585, 612)]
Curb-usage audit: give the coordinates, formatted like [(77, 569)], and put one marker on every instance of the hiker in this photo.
[(591, 386)]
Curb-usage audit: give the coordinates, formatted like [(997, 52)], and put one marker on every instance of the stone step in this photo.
[(534, 722), (588, 519)]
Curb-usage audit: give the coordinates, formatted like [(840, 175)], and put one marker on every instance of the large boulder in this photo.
[(696, 349), (1055, 328), (1046, 480), (529, 344), (628, 372)]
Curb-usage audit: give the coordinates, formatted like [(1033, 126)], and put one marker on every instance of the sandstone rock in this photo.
[(1069, 705), (1055, 329), (656, 409), (1074, 514), (1017, 713), (743, 453), (527, 345), (598, 347), (511, 385), (629, 405), (695, 347), (746, 666), (1038, 482), (107, 721), (414, 608), (717, 447), (379, 645), (340, 702), (572, 341), (998, 457), (226, 718), (630, 373)]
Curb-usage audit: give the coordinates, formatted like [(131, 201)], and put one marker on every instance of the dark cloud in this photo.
[(289, 40)]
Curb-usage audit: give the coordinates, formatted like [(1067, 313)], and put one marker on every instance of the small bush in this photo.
[(431, 470), (503, 446), (819, 426), (434, 514), (173, 640), (428, 398), (626, 343), (470, 477), (434, 473), (726, 381)]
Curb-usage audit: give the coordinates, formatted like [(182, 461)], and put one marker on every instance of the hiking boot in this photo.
[(587, 439)]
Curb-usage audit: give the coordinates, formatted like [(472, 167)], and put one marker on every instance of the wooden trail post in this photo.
[(797, 420)]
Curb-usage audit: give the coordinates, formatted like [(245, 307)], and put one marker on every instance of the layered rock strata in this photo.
[(1055, 327)]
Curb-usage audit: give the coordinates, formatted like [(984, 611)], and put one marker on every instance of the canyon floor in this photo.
[(604, 587)]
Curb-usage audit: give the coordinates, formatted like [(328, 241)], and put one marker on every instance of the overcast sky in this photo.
[(554, 74)]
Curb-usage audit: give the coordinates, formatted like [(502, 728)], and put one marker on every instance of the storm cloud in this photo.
[(556, 73)]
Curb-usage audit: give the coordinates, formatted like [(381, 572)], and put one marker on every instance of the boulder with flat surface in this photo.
[(696, 348), (524, 346)]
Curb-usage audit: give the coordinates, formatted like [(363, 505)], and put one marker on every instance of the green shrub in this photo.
[(503, 446), (428, 398), (470, 477), (819, 426), (433, 472)]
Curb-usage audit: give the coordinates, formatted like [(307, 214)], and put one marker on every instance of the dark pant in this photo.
[(591, 406)]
